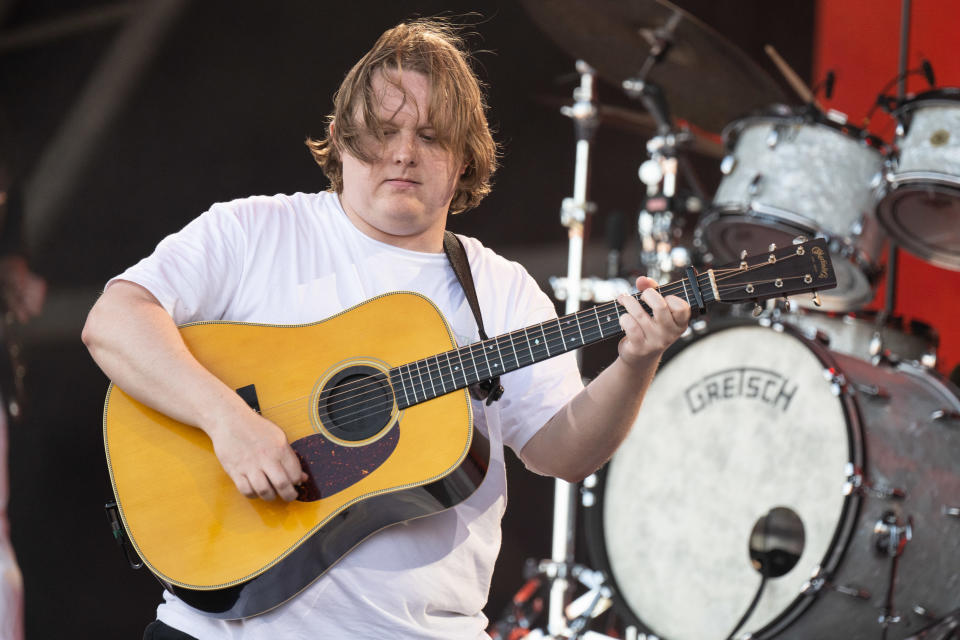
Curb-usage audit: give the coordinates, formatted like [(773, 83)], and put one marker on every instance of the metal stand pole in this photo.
[(893, 254), (573, 215)]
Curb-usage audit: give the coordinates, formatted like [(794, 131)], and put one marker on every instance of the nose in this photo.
[(404, 149)]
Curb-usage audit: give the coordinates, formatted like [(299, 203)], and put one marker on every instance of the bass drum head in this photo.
[(737, 423)]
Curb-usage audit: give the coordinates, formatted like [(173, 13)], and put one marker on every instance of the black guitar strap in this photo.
[(489, 390)]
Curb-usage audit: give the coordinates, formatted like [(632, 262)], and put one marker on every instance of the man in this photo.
[(407, 144)]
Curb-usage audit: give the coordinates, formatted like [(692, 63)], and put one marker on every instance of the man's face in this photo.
[(403, 195)]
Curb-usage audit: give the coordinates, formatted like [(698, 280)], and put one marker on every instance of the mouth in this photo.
[(401, 182)]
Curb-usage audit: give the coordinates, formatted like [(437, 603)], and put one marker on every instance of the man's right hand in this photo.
[(256, 455)]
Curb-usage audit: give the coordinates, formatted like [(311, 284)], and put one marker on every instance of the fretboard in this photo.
[(443, 373)]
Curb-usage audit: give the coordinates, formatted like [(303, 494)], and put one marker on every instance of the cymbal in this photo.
[(707, 80), (643, 123)]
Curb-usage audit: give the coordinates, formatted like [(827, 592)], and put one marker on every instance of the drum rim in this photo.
[(869, 269), (849, 513), (794, 116), (900, 324), (905, 186), (943, 95)]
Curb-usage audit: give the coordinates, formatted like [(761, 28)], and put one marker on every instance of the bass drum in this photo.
[(856, 465)]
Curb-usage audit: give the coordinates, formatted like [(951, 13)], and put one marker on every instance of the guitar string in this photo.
[(368, 409), (357, 392), (359, 395), (479, 348)]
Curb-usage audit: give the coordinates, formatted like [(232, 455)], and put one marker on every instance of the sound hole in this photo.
[(356, 403)]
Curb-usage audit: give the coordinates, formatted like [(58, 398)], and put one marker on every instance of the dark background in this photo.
[(221, 111)]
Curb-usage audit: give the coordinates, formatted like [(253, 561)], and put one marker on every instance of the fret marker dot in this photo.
[(456, 368), (537, 341)]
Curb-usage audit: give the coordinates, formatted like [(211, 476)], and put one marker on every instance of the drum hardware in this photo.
[(946, 628), (855, 484), (944, 414), (821, 580), (870, 335), (891, 536), (953, 512)]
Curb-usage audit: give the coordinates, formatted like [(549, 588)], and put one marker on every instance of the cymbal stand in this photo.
[(659, 173), (573, 215)]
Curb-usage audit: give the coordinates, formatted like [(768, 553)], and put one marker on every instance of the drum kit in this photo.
[(795, 472)]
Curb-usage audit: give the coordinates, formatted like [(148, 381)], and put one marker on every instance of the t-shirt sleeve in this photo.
[(532, 395), (195, 272)]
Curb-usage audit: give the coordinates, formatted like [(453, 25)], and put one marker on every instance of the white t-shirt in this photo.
[(297, 259)]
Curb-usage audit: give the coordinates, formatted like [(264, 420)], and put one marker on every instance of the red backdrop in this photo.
[(860, 41)]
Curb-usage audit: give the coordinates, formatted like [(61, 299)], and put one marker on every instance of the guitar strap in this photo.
[(489, 390)]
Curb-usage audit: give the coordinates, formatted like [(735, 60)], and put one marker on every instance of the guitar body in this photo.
[(232, 556)]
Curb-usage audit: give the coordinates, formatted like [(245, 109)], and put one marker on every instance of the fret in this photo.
[(544, 334), (561, 336), (463, 371), (426, 363), (559, 344), (476, 371), (516, 356), (440, 373), (526, 336), (420, 375), (403, 386), (587, 333), (597, 316), (503, 365), (483, 350), (453, 378)]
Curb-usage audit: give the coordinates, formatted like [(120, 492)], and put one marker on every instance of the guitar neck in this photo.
[(422, 380)]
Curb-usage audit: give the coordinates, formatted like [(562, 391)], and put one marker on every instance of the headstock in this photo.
[(799, 268)]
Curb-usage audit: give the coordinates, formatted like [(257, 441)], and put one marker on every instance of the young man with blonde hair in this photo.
[(407, 144)]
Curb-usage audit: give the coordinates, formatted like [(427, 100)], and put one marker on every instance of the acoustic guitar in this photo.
[(374, 401)]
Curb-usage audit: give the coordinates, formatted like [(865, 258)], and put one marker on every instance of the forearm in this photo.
[(135, 342), (588, 429)]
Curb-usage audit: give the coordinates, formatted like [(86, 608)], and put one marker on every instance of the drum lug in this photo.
[(728, 164), (855, 484), (871, 390), (944, 415), (838, 383), (923, 612), (820, 581), (891, 536), (754, 187)]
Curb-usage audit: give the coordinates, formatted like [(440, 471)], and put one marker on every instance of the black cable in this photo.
[(753, 605)]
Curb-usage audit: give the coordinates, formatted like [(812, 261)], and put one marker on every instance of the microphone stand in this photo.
[(573, 215)]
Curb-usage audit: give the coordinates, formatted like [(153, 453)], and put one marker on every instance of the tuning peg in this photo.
[(799, 239), (743, 254), (816, 298), (786, 303), (757, 310), (772, 247)]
